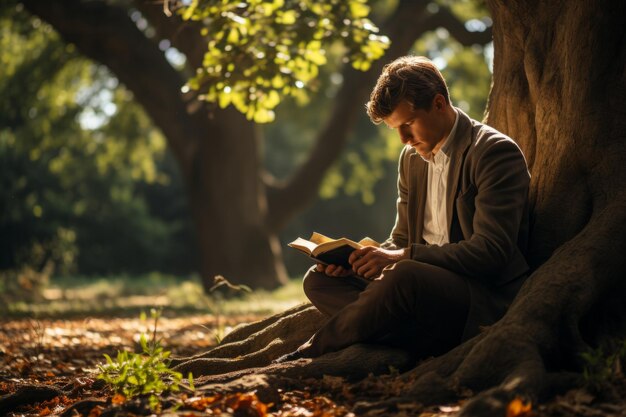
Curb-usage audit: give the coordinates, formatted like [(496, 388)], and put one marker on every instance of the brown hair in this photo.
[(412, 78)]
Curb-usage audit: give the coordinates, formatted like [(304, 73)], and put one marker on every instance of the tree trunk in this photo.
[(227, 199)]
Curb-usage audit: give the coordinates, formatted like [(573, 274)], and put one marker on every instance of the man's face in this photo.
[(424, 130)]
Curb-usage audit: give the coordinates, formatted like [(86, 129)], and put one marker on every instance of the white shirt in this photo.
[(435, 214)]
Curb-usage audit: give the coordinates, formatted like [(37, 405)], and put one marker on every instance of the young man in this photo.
[(454, 260)]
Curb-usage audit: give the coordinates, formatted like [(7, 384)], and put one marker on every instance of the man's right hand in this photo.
[(334, 270)]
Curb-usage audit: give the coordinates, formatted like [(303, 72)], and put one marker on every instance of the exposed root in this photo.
[(27, 394), (243, 331), (83, 407), (354, 363), (256, 344)]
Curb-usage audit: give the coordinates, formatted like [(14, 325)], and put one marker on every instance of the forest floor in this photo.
[(50, 352)]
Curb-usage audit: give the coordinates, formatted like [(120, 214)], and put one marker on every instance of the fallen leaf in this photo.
[(518, 407), (118, 399)]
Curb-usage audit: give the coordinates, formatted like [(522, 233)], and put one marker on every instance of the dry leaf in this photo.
[(118, 399), (45, 412), (518, 407)]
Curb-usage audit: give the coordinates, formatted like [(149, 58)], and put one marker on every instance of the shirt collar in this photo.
[(448, 144)]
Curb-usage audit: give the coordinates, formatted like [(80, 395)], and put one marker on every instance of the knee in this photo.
[(401, 272), (313, 281), (405, 277)]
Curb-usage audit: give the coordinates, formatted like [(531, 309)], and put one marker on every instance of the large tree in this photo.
[(237, 211)]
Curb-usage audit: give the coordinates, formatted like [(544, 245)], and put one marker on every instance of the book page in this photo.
[(303, 245), (319, 238), (318, 244), (368, 241), (332, 244)]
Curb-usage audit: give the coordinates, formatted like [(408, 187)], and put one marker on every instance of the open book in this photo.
[(330, 251)]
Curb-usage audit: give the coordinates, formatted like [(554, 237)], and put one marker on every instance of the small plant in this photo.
[(605, 363), (132, 374), (219, 282)]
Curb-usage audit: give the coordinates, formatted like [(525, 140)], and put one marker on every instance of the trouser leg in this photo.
[(331, 294), (416, 303)]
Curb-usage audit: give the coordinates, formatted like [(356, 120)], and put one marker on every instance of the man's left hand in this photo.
[(369, 261)]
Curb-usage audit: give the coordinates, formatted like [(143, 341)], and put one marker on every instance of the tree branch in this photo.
[(183, 35), (106, 34), (410, 21)]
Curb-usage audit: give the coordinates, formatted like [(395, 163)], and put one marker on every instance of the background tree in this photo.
[(236, 209), (71, 186)]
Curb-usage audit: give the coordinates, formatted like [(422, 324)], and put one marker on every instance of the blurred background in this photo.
[(93, 195)]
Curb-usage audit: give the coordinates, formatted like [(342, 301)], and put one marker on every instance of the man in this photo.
[(454, 260)]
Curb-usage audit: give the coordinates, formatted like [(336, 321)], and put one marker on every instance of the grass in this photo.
[(72, 296)]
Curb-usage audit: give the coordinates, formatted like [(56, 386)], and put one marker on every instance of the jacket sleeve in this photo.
[(399, 237), (498, 194)]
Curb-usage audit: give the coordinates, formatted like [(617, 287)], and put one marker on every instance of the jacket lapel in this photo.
[(417, 199), (462, 140)]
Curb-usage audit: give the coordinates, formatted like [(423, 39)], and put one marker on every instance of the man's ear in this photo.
[(439, 102)]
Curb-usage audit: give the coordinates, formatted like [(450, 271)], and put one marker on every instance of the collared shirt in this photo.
[(435, 213)]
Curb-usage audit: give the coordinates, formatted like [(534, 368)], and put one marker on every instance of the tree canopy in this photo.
[(259, 52)]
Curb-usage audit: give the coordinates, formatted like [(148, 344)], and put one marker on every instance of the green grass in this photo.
[(127, 295)]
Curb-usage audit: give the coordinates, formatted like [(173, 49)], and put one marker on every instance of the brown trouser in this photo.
[(416, 306)]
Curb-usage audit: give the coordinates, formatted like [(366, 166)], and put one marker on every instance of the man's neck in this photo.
[(449, 120)]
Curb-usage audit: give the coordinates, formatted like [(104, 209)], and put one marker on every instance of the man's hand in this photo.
[(369, 261), (334, 270)]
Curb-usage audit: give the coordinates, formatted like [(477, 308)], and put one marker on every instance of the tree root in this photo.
[(83, 407), (256, 344), (353, 363), (27, 394)]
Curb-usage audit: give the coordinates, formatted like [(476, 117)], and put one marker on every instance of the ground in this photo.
[(54, 361)]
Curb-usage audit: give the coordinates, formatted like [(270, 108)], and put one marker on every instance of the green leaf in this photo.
[(190, 379), (359, 9), (268, 50), (189, 11), (143, 342), (287, 18)]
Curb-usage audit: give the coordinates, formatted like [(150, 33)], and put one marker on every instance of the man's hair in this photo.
[(412, 78)]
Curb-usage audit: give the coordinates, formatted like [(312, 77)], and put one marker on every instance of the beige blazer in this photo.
[(487, 214)]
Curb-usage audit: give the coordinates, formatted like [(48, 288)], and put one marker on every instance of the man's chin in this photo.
[(421, 151)]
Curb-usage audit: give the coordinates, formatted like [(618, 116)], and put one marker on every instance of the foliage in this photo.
[(605, 363), (81, 164), (264, 50), (133, 374)]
